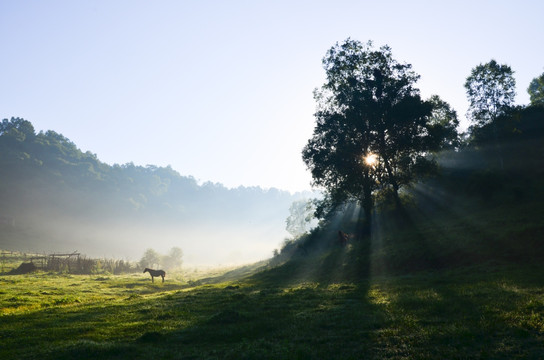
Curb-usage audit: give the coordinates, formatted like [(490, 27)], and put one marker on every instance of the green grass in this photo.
[(449, 283), (479, 312)]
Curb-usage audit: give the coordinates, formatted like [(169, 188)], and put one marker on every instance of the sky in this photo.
[(223, 90)]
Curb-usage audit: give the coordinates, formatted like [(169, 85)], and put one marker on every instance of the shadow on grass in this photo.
[(307, 321), (460, 312), (481, 313), (382, 298), (468, 315), (439, 231), (314, 307)]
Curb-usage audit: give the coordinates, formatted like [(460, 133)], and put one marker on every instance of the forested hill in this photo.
[(53, 197)]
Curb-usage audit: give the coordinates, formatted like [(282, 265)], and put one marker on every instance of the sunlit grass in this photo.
[(464, 313), (32, 292)]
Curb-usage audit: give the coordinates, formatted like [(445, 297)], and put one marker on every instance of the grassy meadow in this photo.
[(451, 287), (481, 312)]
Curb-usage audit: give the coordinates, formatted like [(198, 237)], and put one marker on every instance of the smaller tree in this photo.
[(536, 91), (300, 217), (150, 259), (491, 89)]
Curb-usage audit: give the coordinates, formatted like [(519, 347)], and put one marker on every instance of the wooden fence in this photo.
[(73, 263)]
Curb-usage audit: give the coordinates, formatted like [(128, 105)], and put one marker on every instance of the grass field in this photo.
[(450, 287), (481, 312)]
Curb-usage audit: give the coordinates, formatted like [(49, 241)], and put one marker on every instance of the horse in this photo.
[(154, 273)]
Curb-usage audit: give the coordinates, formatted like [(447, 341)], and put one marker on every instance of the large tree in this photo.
[(372, 127)]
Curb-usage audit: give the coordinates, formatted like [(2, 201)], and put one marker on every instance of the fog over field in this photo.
[(205, 242), (56, 198)]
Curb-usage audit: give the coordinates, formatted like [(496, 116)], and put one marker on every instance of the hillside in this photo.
[(54, 197)]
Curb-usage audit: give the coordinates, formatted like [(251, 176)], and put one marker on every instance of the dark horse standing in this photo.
[(154, 273)]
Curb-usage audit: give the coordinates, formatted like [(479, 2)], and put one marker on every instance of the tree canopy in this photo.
[(373, 131), (491, 89)]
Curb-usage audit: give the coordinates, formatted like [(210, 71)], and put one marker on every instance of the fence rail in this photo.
[(73, 263)]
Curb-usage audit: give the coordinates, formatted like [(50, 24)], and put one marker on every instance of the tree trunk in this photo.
[(368, 204)]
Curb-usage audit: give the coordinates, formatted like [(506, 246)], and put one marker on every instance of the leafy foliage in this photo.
[(443, 125), (491, 89), (368, 108)]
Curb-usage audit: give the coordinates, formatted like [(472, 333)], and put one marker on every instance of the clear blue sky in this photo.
[(222, 90)]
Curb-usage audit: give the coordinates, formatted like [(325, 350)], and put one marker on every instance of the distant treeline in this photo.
[(45, 178), (36, 168)]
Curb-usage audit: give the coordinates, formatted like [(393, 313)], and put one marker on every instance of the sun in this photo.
[(371, 159)]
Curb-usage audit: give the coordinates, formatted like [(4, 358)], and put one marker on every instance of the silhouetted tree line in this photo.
[(502, 155), (375, 136)]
